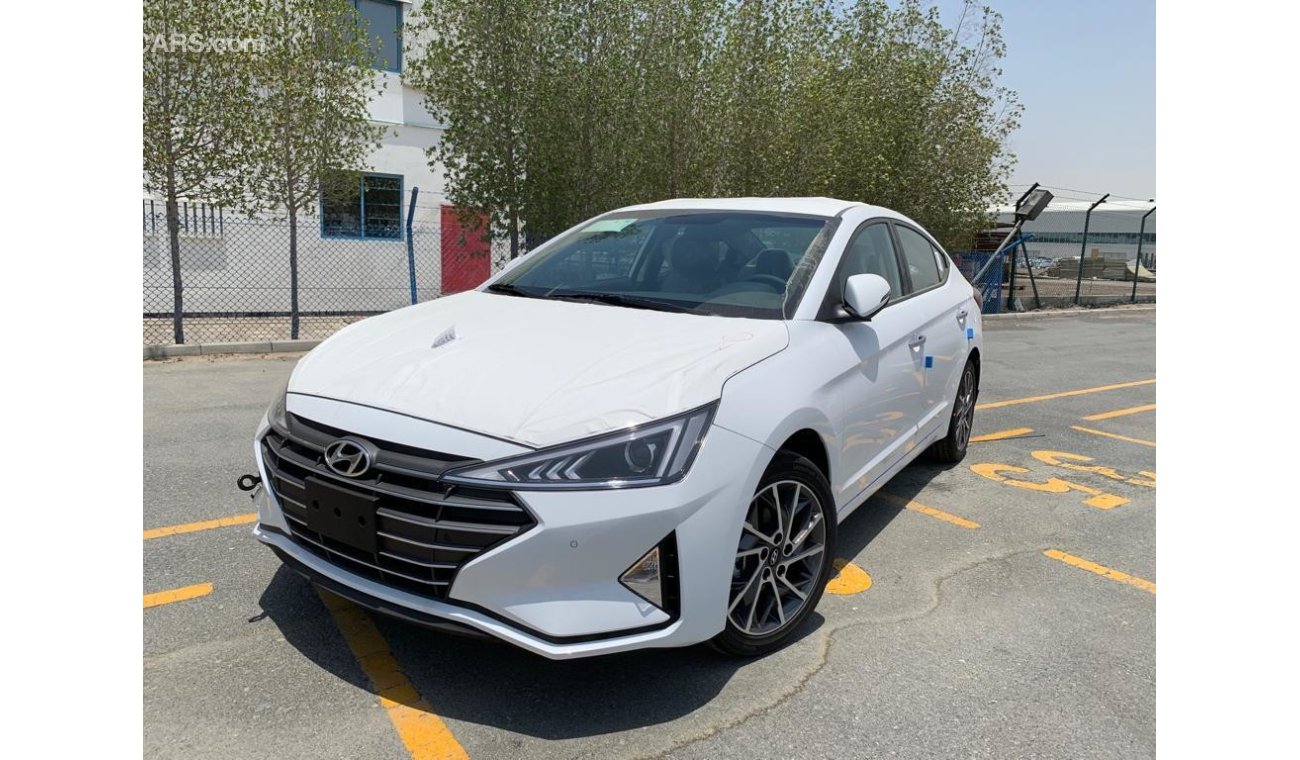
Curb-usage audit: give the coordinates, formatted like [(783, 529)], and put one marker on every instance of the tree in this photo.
[(558, 109), (191, 86), (477, 63), (306, 131), (922, 124), (673, 119)]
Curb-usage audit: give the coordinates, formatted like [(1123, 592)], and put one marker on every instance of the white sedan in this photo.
[(641, 434)]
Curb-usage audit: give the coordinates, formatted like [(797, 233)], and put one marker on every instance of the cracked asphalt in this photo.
[(970, 642)]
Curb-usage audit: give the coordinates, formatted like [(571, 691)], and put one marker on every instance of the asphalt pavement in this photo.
[(1010, 611)]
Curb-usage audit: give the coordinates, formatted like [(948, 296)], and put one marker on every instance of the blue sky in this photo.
[(1085, 71)]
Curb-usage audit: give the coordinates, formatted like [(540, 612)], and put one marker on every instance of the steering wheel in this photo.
[(771, 280)]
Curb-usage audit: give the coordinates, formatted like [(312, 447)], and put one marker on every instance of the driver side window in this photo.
[(872, 252)]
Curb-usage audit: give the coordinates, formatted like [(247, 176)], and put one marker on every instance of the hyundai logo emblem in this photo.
[(349, 457)]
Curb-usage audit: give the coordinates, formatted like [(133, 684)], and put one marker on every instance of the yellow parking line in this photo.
[(425, 735), (1001, 435), (177, 595), (1063, 394), (193, 527), (937, 514), (1116, 436), (1121, 412), (1101, 570)]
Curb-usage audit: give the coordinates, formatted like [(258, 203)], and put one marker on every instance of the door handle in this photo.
[(917, 341), (962, 314)]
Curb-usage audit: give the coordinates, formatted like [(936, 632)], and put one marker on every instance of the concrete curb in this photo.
[(211, 349), (1080, 312)]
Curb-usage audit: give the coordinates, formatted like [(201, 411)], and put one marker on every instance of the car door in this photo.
[(940, 309), (877, 396)]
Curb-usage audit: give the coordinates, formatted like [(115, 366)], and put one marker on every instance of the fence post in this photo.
[(1137, 263), (1001, 258), (1011, 280), (1083, 247), (1038, 302), (410, 243)]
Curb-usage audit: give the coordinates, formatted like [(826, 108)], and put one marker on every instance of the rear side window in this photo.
[(920, 257), (872, 252)]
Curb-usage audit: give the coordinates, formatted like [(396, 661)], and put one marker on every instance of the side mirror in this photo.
[(865, 295)]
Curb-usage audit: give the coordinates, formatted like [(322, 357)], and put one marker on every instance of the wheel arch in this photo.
[(808, 443), (975, 365)]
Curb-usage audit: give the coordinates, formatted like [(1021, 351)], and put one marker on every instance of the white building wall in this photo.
[(1068, 217), (242, 265), (412, 131)]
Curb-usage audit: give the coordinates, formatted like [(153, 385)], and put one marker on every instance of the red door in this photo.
[(466, 251)]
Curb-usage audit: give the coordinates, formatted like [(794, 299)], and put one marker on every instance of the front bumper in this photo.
[(554, 589)]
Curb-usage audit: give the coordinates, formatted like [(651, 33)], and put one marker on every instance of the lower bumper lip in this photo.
[(457, 619), (374, 603)]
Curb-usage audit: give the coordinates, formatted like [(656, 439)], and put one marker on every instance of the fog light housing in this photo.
[(644, 578), (653, 577)]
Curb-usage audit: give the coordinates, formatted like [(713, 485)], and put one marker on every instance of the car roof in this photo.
[(813, 206)]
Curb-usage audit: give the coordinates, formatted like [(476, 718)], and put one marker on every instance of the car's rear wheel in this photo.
[(952, 448), (783, 558)]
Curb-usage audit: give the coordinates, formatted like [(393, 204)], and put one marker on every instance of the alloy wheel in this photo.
[(965, 416), (779, 558)]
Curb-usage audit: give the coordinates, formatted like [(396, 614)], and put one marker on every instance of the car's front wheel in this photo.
[(783, 558)]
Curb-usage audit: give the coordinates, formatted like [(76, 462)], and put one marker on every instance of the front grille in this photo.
[(421, 531)]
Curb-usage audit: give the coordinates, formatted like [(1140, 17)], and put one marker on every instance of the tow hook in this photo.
[(248, 482)]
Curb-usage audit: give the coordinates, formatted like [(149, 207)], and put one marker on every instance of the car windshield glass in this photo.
[(726, 263)]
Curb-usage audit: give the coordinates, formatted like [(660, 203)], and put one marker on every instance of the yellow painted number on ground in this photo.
[(1096, 498), (1073, 462)]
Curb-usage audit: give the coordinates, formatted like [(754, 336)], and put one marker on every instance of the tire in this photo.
[(952, 449), (774, 566)]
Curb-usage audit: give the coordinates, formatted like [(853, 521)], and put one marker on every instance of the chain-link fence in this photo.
[(1078, 252), (236, 282)]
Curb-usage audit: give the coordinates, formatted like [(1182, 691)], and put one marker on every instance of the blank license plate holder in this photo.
[(342, 514)]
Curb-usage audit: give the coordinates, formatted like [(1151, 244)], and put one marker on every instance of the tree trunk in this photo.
[(514, 234), (174, 242), (293, 273)]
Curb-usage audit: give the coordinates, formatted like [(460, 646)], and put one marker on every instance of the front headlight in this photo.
[(276, 414), (651, 454)]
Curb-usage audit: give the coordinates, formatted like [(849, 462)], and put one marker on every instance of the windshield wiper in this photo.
[(511, 290), (618, 299)]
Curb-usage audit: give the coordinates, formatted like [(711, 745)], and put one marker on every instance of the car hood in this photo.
[(534, 371)]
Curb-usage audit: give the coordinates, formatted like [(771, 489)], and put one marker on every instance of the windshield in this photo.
[(726, 263)]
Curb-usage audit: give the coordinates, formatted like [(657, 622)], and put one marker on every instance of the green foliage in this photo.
[(559, 109), (305, 123), (192, 92), (477, 60)]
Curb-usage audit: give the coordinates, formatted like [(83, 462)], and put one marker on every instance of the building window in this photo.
[(382, 21), (372, 210)]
